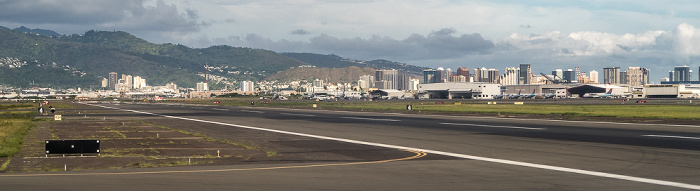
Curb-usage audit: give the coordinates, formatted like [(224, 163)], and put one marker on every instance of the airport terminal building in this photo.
[(459, 90)]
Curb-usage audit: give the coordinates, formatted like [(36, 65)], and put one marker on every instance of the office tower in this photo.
[(493, 76), (390, 76), (611, 75), (594, 76), (429, 76), (463, 71), (367, 82), (441, 75), (477, 75), (680, 74), (448, 73), (524, 76), (403, 82), (112, 80), (637, 76), (623, 77), (558, 74), (570, 76)]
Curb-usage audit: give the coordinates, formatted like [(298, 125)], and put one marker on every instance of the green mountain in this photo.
[(334, 61), (30, 57), (86, 58)]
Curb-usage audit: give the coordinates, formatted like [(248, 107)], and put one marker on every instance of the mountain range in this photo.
[(44, 58)]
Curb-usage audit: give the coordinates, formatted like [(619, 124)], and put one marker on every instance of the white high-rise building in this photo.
[(202, 87), (367, 82), (247, 86), (511, 76), (129, 80), (137, 82), (413, 84), (593, 76)]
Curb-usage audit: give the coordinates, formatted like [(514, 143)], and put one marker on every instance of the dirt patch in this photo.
[(124, 144)]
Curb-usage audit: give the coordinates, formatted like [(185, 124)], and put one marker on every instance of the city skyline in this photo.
[(648, 34)]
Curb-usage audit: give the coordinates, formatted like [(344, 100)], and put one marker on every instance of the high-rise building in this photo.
[(594, 76), (477, 75), (458, 78), (680, 74), (129, 81), (367, 82), (318, 83), (611, 75), (558, 74), (448, 73), (247, 86), (137, 82), (463, 71), (403, 82), (570, 76), (637, 76), (441, 75), (105, 83), (524, 76), (623, 77), (202, 87), (430, 76), (493, 76), (511, 76), (390, 76), (113, 80), (413, 84)]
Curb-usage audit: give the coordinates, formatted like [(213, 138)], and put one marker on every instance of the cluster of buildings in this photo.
[(464, 83)]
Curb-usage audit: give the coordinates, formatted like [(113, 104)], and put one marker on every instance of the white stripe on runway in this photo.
[(675, 137), (371, 119), (495, 126), (464, 156)]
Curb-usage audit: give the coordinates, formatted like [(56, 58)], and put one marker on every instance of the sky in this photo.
[(547, 34)]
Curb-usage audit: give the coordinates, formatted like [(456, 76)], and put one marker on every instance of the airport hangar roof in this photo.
[(591, 88)]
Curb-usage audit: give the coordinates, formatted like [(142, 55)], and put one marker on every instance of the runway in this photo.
[(483, 153)]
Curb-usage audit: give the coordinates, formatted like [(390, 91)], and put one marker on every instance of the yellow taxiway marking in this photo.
[(419, 154)]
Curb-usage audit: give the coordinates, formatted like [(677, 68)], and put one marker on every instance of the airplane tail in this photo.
[(609, 91)]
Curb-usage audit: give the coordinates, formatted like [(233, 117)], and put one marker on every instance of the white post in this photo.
[(65, 167)]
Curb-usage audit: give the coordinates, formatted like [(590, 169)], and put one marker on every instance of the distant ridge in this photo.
[(37, 31)]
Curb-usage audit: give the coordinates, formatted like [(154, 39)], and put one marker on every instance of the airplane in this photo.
[(532, 95), (608, 94), (515, 96), (498, 96), (549, 96)]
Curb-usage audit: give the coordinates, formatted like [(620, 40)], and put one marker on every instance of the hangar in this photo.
[(456, 90), (592, 89)]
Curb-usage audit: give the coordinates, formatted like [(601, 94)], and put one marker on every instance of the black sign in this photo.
[(72, 146)]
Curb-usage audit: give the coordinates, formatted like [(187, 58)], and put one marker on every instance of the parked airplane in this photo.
[(498, 96), (549, 96), (515, 96), (532, 95), (607, 94)]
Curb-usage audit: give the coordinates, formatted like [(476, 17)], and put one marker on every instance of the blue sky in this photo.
[(547, 34)]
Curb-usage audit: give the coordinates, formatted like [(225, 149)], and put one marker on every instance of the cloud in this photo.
[(300, 32), (128, 15)]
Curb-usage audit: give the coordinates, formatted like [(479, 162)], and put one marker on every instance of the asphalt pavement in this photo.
[(475, 153)]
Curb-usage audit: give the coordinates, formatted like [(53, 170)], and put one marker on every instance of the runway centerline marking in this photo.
[(457, 155), (371, 119), (495, 126), (418, 155), (220, 109), (671, 136)]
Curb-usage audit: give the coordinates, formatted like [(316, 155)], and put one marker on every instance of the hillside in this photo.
[(334, 61), (38, 57), (332, 75)]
